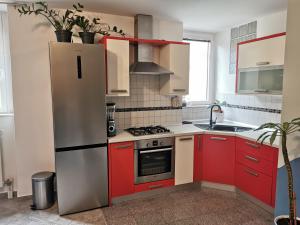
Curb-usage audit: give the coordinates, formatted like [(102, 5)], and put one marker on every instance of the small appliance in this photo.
[(111, 124)]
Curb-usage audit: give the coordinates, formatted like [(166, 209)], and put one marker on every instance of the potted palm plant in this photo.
[(283, 130), (62, 23)]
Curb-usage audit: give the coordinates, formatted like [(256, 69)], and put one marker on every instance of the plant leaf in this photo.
[(273, 137)]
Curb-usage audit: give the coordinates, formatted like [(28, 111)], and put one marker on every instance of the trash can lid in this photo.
[(41, 176)]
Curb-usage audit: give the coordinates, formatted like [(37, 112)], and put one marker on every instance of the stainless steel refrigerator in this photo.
[(79, 117)]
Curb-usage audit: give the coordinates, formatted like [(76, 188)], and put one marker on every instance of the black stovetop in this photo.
[(140, 131)]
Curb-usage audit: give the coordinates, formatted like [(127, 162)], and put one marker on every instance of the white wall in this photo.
[(225, 82), (291, 81), (31, 88)]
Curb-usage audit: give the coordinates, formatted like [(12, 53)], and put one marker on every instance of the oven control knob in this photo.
[(161, 143), (148, 145)]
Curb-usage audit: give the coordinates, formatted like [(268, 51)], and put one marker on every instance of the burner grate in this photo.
[(140, 131)]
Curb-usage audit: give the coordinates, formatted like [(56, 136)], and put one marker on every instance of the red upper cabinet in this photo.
[(121, 169), (218, 159), (198, 149)]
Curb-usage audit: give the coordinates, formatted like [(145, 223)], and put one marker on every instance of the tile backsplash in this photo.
[(252, 109), (145, 106)]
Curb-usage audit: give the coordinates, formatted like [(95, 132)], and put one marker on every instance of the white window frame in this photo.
[(196, 36)]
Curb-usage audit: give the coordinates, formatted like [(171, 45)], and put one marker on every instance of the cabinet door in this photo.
[(121, 168), (197, 158), (219, 159), (175, 57), (255, 183), (184, 159), (117, 67), (266, 52)]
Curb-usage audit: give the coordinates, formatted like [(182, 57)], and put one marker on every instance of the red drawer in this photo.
[(154, 185), (255, 149), (254, 183), (255, 162)]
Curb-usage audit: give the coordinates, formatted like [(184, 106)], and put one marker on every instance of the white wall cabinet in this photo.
[(184, 159), (267, 52), (260, 66), (175, 57), (117, 67)]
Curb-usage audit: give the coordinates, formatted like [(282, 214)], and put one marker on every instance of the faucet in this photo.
[(211, 110)]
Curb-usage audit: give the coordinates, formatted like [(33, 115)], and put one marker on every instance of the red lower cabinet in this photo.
[(198, 141), (254, 183), (121, 169), (218, 159), (154, 185), (256, 170)]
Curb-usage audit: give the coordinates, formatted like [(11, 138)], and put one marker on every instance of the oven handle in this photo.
[(156, 150)]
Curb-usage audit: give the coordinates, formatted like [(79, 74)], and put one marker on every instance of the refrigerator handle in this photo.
[(79, 73)]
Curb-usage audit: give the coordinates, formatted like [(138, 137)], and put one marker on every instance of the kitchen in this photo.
[(149, 103)]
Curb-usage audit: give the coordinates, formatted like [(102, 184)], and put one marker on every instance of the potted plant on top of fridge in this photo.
[(283, 130), (62, 24), (88, 28)]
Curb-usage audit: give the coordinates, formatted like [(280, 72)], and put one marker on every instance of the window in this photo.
[(199, 72), (5, 71)]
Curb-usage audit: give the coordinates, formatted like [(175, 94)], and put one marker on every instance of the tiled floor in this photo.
[(192, 206)]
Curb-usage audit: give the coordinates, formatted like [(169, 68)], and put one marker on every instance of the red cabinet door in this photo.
[(197, 158), (219, 159), (121, 169), (254, 183)]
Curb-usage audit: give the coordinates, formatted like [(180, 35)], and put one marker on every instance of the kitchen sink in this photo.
[(226, 128)]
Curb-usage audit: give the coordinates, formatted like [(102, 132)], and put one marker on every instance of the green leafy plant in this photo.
[(66, 21), (86, 25), (107, 30), (283, 130)]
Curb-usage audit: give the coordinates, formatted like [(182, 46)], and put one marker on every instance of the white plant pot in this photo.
[(283, 217)]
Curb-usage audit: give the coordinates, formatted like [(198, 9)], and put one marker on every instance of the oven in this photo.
[(154, 160)]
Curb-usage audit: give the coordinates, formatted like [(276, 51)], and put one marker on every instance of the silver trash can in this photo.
[(42, 190)]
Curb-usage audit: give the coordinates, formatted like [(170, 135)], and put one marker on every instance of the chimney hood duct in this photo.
[(144, 65)]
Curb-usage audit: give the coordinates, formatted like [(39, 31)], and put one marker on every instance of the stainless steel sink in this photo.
[(226, 128)]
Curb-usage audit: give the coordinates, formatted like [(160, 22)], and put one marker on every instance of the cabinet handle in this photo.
[(155, 186), (251, 173), (262, 63), (251, 158), (186, 139), (118, 91), (179, 90), (252, 145), (218, 138), (123, 146)]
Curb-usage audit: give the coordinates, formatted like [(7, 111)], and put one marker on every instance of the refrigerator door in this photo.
[(81, 179), (78, 94)]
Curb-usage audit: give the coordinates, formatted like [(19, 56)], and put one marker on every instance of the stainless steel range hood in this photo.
[(144, 65)]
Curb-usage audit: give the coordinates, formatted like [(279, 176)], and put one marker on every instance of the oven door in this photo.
[(154, 164)]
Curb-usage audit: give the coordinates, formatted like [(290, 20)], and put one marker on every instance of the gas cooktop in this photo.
[(140, 131)]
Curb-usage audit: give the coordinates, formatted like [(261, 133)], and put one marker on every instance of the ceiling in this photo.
[(197, 15)]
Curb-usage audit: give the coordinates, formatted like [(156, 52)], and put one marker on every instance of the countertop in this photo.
[(190, 129)]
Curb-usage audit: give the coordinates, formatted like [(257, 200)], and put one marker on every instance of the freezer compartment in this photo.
[(82, 180)]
